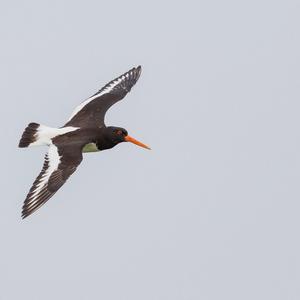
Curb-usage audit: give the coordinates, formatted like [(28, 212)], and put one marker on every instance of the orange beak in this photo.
[(134, 141)]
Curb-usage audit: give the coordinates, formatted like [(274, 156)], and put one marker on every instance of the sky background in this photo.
[(212, 212)]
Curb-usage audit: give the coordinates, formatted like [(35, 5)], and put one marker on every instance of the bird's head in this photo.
[(118, 135)]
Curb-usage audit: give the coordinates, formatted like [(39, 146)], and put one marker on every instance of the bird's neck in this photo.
[(103, 144), (104, 140)]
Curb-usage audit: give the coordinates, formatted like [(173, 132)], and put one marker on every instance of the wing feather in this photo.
[(59, 164), (91, 112)]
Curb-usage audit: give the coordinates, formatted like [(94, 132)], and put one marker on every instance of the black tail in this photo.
[(28, 135)]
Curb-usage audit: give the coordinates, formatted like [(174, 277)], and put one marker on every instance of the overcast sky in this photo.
[(212, 212)]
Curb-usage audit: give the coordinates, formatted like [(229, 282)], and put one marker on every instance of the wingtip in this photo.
[(23, 216), (25, 213), (139, 68), (137, 71)]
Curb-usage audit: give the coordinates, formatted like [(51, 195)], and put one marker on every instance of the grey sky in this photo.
[(212, 212)]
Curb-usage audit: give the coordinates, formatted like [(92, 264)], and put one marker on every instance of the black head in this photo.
[(115, 134), (112, 136)]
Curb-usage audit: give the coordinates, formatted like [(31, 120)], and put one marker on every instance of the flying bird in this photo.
[(85, 131)]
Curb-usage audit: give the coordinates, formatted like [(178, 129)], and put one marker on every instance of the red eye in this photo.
[(119, 132)]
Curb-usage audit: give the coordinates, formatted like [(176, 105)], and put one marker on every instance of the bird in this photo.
[(84, 132)]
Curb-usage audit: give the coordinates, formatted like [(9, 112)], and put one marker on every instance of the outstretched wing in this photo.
[(60, 162), (91, 112)]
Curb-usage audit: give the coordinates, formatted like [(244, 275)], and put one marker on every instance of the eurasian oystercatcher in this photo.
[(85, 131)]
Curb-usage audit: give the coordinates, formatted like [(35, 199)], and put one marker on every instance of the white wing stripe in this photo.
[(54, 161), (108, 89)]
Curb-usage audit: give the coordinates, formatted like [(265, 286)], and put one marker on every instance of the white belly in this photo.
[(91, 147)]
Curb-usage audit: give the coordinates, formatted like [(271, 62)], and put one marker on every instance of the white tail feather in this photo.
[(40, 135)]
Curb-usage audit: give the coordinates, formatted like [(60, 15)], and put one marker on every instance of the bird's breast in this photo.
[(90, 147)]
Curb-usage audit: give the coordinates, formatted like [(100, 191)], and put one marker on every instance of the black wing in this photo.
[(59, 164), (91, 112)]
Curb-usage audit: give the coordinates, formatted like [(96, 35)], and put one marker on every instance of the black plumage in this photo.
[(85, 130)]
